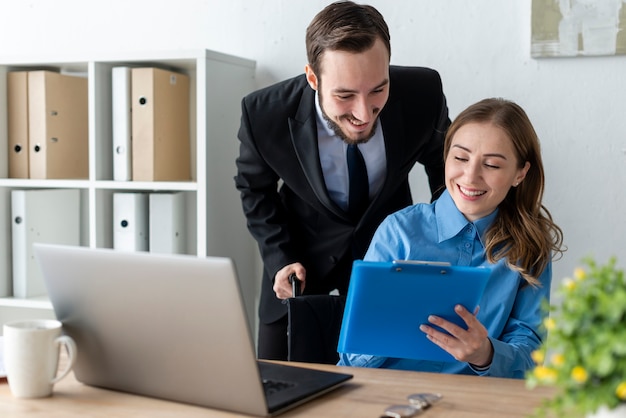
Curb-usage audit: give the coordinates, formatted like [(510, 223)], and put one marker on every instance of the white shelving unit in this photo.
[(215, 223)]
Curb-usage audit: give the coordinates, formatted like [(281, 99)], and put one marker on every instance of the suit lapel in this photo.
[(303, 128)]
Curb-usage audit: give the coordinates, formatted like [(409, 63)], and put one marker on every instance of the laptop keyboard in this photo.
[(273, 386)]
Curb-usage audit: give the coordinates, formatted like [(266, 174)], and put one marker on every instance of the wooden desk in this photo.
[(366, 395)]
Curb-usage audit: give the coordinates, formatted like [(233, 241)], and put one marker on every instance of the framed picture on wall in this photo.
[(570, 28)]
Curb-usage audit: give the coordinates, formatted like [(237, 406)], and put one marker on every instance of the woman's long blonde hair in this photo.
[(523, 231)]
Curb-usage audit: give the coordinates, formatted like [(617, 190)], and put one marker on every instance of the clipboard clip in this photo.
[(400, 264)]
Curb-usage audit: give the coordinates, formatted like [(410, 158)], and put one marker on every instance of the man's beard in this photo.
[(337, 129), (339, 132)]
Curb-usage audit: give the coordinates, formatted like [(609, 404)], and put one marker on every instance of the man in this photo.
[(293, 171)]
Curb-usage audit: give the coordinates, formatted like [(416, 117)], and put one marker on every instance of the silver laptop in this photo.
[(170, 327)]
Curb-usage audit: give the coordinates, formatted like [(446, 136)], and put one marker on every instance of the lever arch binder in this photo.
[(130, 221), (160, 125), (58, 126), (122, 123), (48, 216), (167, 223), (17, 121)]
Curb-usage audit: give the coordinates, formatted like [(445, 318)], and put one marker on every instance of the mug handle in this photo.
[(70, 345)]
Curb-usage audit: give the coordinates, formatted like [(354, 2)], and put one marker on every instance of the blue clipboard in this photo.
[(388, 301)]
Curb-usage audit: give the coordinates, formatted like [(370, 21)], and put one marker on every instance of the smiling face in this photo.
[(481, 167), (355, 89)]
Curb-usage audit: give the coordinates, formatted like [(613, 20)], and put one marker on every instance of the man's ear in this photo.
[(311, 77)]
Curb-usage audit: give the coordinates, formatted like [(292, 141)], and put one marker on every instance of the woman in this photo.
[(491, 214)]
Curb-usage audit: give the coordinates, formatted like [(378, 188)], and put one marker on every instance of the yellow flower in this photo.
[(537, 356), (545, 374), (549, 323), (579, 374), (580, 273), (621, 391), (569, 284), (557, 359)]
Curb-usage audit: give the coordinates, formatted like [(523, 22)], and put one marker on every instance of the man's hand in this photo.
[(282, 286)]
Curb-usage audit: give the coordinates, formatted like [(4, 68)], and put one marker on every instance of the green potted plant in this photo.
[(584, 356)]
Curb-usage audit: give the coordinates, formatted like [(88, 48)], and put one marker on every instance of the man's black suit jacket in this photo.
[(284, 197)]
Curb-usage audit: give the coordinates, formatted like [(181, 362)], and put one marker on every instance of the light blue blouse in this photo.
[(510, 309)]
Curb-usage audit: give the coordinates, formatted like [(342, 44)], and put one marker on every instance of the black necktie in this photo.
[(358, 186)]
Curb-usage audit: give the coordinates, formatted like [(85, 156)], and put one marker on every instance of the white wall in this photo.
[(480, 47)]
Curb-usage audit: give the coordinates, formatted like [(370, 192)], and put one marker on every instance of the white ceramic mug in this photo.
[(31, 356)]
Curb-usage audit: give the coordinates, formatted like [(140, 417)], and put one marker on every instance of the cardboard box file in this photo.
[(160, 125), (58, 126)]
